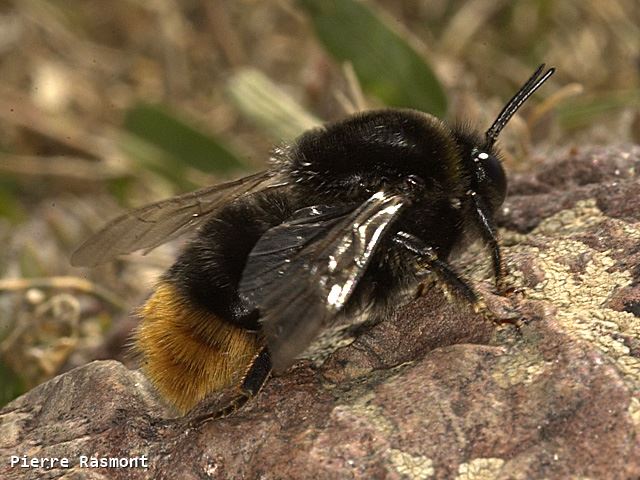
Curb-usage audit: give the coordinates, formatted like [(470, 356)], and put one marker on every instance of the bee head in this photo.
[(481, 155)]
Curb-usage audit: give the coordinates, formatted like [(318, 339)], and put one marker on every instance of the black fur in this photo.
[(209, 269), (342, 164)]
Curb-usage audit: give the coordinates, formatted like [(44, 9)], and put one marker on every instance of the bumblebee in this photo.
[(293, 260)]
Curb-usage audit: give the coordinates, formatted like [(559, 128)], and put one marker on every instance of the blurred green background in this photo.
[(107, 105)]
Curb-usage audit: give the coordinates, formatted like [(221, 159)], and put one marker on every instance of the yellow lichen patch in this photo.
[(413, 467), (584, 215), (516, 370), (373, 413), (480, 469), (410, 466), (189, 352), (634, 412), (580, 298)]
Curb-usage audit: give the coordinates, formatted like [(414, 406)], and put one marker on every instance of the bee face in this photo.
[(490, 176), (347, 221), (482, 162)]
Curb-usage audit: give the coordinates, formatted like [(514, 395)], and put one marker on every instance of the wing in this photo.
[(302, 273), (154, 224)]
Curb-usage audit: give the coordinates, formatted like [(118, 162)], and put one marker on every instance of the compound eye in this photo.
[(494, 177)]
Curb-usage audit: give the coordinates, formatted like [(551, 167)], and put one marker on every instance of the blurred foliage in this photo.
[(259, 99), (11, 385), (104, 105), (183, 144), (580, 113), (386, 64)]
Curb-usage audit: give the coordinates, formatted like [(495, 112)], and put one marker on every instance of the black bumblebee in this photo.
[(289, 261)]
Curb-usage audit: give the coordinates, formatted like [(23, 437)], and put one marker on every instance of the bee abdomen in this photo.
[(188, 351)]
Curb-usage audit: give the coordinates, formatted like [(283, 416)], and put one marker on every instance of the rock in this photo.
[(437, 391)]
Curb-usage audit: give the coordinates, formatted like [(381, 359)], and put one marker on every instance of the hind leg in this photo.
[(252, 382)]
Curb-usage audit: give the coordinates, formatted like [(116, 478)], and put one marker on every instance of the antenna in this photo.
[(531, 85)]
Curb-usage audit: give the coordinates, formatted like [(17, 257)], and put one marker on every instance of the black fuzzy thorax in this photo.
[(378, 150), (372, 150)]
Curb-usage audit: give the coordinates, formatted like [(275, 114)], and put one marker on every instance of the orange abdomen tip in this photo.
[(189, 352)]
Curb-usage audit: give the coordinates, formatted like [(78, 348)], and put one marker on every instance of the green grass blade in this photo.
[(259, 99), (387, 66), (181, 143), (586, 109)]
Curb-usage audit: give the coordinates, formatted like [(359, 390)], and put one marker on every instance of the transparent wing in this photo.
[(154, 224), (302, 273)]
